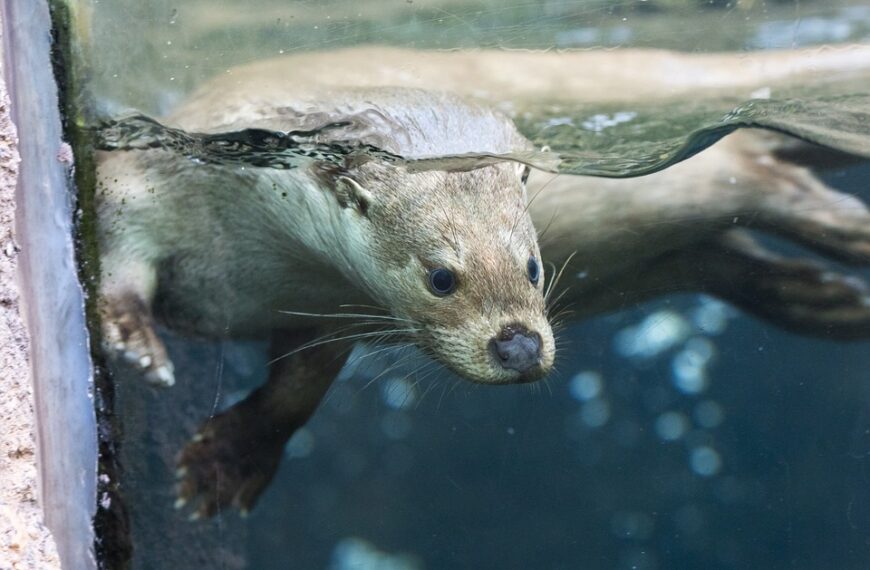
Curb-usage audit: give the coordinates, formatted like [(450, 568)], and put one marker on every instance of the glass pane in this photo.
[(286, 185)]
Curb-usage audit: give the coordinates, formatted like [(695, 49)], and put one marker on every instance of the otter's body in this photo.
[(246, 224), (448, 260), (271, 234)]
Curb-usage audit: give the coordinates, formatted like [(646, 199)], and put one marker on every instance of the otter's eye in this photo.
[(534, 270), (442, 282)]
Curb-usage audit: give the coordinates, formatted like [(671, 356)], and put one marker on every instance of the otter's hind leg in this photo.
[(804, 209), (800, 295), (235, 454)]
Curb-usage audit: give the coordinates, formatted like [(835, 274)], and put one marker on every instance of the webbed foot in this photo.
[(806, 298), (228, 463), (798, 294), (806, 210)]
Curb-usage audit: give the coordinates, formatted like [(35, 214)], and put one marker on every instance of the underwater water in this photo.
[(677, 433)]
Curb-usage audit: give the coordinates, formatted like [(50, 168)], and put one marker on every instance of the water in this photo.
[(586, 138), (588, 127), (678, 434)]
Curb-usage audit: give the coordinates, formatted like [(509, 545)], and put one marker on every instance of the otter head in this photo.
[(455, 256)]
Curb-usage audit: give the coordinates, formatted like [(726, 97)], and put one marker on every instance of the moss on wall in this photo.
[(69, 22)]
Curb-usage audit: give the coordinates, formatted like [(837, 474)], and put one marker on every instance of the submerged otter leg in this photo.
[(234, 455), (800, 295), (807, 211), (127, 324)]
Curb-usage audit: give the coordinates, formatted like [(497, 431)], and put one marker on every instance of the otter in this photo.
[(222, 251), (326, 254)]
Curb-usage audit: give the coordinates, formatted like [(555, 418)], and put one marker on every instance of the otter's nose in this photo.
[(517, 348)]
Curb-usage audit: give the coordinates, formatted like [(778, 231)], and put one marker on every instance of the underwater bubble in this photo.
[(300, 445), (396, 425), (689, 379), (398, 393), (705, 461), (671, 426), (654, 335), (702, 348), (358, 554), (712, 315), (632, 525), (709, 414), (595, 413), (585, 386), (689, 366)]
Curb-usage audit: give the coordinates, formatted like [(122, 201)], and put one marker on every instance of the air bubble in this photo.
[(671, 426), (585, 386), (705, 461), (398, 393), (656, 334)]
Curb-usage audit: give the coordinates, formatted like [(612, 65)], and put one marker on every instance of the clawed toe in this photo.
[(163, 375), (128, 334)]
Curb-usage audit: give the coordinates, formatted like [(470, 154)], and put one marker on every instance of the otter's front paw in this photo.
[(128, 334), (229, 462)]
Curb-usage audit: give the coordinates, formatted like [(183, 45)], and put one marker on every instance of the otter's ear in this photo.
[(351, 194)]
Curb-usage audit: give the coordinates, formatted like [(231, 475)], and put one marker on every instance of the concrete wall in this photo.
[(25, 542), (47, 421)]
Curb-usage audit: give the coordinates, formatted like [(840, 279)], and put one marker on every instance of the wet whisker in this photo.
[(344, 316), (558, 276), (357, 336)]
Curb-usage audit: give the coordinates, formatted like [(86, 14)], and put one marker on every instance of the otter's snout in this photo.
[(516, 348)]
